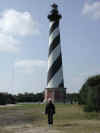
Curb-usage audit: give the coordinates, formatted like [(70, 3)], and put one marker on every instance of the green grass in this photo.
[(71, 118), (68, 118)]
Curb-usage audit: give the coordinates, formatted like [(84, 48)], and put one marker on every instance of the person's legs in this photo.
[(50, 120)]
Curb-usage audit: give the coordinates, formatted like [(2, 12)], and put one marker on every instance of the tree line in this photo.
[(6, 98), (88, 96)]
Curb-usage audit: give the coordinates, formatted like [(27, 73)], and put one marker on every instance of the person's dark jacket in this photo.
[(50, 109)]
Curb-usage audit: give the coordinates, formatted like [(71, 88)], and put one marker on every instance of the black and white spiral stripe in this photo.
[(55, 71)]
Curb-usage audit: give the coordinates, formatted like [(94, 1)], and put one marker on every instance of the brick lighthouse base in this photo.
[(58, 95)]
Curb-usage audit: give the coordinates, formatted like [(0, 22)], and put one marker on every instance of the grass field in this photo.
[(68, 119)]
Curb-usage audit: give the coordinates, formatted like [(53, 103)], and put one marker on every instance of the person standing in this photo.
[(50, 111)]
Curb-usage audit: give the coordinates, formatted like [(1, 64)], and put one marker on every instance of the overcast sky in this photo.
[(24, 33)]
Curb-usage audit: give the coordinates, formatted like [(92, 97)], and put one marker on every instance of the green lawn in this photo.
[(68, 118), (71, 119)]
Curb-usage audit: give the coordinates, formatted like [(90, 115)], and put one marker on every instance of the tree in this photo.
[(72, 98), (6, 98), (90, 94)]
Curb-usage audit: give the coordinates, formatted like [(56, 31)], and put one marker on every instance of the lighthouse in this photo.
[(55, 80)]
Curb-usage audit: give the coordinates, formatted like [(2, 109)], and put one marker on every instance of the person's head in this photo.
[(49, 100)]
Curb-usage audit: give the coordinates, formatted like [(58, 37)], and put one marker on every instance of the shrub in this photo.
[(90, 94)]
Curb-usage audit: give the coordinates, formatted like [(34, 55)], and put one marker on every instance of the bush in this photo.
[(88, 108), (6, 98), (90, 94), (3, 99)]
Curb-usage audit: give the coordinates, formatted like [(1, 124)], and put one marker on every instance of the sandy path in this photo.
[(29, 129), (39, 130)]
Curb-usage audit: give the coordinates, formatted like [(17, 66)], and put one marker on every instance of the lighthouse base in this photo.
[(58, 95)]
